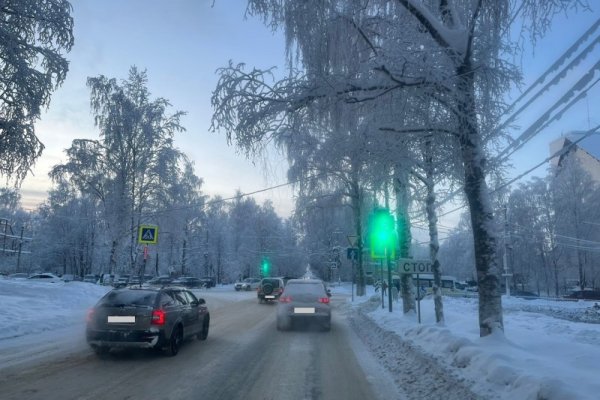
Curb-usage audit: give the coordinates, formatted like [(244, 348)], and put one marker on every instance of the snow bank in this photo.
[(32, 307), (543, 354)]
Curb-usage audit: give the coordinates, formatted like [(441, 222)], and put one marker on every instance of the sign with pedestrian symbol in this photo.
[(148, 234)]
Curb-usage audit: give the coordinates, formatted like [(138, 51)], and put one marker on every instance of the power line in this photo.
[(559, 153)]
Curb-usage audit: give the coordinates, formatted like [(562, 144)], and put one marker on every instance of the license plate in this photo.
[(269, 297), (304, 310), (118, 319)]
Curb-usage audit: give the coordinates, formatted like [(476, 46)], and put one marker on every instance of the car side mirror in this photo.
[(201, 301), (329, 292)]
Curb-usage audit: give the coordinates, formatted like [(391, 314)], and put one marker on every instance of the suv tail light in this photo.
[(324, 300), (159, 317), (285, 299)]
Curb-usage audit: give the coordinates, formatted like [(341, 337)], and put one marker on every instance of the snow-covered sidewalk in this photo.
[(543, 354)]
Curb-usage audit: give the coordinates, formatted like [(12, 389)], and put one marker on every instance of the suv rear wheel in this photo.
[(175, 341)]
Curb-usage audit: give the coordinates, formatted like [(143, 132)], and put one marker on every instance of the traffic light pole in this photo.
[(389, 268), (381, 286)]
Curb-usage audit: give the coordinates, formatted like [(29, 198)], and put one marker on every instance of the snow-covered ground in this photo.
[(545, 353)]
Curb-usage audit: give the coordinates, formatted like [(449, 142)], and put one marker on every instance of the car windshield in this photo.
[(424, 173)]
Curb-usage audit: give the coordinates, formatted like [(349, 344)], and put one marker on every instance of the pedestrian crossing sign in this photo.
[(148, 234)]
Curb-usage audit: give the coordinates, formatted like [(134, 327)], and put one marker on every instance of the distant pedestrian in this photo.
[(384, 287)]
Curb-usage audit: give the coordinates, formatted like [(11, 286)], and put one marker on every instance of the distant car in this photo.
[(68, 277), (188, 282), (247, 284), (18, 275), (159, 281), (584, 295), (148, 318), (304, 300), (45, 277), (208, 282), (270, 289), (107, 279), (523, 294), (90, 278), (120, 281), (134, 280)]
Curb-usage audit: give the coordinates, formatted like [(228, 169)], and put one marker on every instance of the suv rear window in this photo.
[(118, 298), (294, 288), (273, 282)]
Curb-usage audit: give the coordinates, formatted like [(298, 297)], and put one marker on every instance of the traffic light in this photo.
[(382, 234), (265, 267)]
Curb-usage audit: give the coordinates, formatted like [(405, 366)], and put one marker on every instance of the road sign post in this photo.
[(412, 266)]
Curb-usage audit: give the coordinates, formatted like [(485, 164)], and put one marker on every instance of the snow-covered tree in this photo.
[(34, 35), (126, 168)]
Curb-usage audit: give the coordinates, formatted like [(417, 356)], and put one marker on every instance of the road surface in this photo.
[(245, 357)]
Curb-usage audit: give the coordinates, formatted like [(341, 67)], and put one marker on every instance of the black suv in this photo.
[(270, 289), (135, 317)]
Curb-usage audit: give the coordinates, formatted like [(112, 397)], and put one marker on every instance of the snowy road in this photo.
[(244, 357)]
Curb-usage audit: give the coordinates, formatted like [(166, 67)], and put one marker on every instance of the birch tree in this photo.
[(126, 167), (33, 36)]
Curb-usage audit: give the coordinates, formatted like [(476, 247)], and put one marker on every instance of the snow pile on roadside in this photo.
[(32, 307), (540, 357)]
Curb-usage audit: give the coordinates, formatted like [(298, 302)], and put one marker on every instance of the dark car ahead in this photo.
[(304, 300), (269, 289), (150, 318)]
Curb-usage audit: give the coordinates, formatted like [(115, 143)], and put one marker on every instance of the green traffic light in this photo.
[(266, 267), (382, 234)]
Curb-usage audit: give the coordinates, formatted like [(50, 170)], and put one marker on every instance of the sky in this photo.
[(550, 348), (182, 43), (181, 47)]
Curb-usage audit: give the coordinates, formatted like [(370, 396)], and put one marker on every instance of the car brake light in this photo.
[(285, 299), (324, 300), (159, 317), (90, 315)]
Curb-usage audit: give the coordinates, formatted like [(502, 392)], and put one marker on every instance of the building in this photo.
[(587, 152)]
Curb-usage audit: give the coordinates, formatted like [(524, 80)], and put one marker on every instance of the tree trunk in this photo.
[(486, 263), (404, 235), (434, 245), (112, 262), (357, 210)]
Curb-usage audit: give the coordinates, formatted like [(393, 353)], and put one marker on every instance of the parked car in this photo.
[(188, 282), (120, 281), (45, 277), (18, 275), (584, 295), (159, 281), (91, 278), (269, 289), (150, 318), (68, 277), (107, 279), (247, 284), (524, 294), (208, 282), (304, 300), (134, 280)]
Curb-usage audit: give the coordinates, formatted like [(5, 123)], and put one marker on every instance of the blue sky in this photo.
[(182, 42)]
